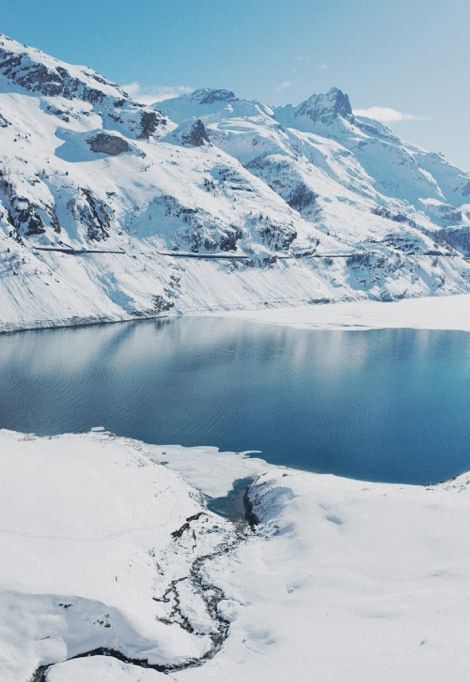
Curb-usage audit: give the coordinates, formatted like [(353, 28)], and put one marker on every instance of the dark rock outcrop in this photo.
[(149, 122), (25, 217), (301, 197), (104, 143), (209, 96), (396, 217), (93, 213), (458, 237), (196, 135)]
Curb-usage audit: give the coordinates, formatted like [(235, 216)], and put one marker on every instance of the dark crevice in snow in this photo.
[(235, 504)]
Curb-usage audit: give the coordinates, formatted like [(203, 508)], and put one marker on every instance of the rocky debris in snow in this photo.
[(396, 217), (278, 236), (25, 217), (407, 243), (161, 304)]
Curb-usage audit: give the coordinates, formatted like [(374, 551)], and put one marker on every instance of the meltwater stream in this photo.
[(388, 405)]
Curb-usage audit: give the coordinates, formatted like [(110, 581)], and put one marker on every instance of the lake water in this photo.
[(389, 405)]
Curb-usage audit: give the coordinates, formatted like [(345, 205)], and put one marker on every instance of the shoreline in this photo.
[(439, 313), (356, 315)]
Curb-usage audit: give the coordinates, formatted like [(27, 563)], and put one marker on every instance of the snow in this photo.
[(86, 545), (445, 312), (340, 580)]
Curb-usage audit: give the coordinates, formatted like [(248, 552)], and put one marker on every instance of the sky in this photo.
[(407, 60)]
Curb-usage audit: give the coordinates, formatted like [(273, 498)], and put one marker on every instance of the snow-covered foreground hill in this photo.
[(107, 547), (117, 187)]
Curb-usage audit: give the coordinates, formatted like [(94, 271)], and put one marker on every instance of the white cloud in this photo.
[(385, 114), (284, 85), (147, 94), (322, 67)]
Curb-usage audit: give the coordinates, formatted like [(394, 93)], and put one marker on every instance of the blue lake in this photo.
[(389, 405)]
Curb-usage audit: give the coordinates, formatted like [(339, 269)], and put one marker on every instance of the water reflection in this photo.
[(384, 405)]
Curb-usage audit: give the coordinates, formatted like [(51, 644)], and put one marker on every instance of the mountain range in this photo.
[(111, 209)]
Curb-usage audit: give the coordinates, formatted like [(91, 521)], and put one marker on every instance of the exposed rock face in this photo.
[(103, 143), (25, 217), (3, 122), (458, 237), (91, 212), (49, 79), (301, 198), (133, 118), (196, 135), (150, 120), (209, 96), (396, 217), (278, 236), (326, 107), (323, 109), (194, 228)]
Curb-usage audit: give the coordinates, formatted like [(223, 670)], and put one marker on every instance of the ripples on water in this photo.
[(389, 405)]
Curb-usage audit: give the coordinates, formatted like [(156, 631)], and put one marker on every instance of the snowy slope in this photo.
[(84, 167), (340, 580)]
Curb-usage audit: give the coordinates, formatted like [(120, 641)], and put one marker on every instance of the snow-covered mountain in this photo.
[(119, 186)]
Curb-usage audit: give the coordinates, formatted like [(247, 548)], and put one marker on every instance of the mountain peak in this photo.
[(211, 95), (325, 107)]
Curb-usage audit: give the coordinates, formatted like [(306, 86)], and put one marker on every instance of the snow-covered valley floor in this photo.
[(107, 544)]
